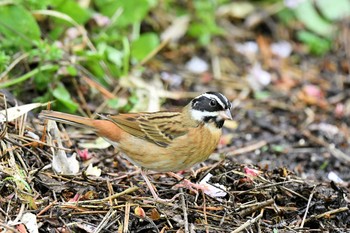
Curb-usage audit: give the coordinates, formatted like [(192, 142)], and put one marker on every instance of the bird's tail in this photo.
[(78, 121)]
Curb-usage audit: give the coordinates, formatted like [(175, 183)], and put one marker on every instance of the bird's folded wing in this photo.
[(159, 127)]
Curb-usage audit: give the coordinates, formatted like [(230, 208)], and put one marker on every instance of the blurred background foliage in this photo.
[(45, 41)]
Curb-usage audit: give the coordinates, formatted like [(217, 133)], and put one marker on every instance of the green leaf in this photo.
[(18, 26), (113, 103), (261, 95), (63, 96), (324, 165), (334, 11), (28, 75), (72, 70), (278, 148), (73, 9), (45, 51), (145, 44), (43, 79), (115, 56), (133, 11), (316, 44), (307, 14), (4, 61)]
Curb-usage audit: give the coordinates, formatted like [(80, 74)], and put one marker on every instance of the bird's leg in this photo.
[(153, 191), (187, 184), (149, 184)]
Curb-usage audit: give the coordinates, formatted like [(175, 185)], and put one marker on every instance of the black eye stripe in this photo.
[(203, 103)]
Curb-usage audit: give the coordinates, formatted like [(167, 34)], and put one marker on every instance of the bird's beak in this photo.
[(226, 115)]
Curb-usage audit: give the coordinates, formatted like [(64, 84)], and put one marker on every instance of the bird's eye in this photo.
[(212, 103)]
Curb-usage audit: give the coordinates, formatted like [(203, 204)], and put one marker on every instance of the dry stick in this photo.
[(126, 218), (269, 185), (211, 215), (184, 209), (4, 131), (248, 223), (32, 141), (152, 53), (205, 213), (341, 209), (110, 191), (340, 155), (307, 207), (13, 64), (46, 208), (129, 190), (284, 188), (65, 224), (256, 207), (105, 92), (81, 97), (110, 214), (20, 214), (249, 148)]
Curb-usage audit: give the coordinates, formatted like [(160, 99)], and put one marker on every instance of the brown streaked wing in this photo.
[(159, 127)]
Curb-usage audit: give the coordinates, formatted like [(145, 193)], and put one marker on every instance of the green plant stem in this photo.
[(126, 47), (28, 75)]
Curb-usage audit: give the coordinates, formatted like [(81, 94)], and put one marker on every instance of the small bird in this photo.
[(161, 141)]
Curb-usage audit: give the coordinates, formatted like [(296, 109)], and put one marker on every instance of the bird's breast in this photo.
[(182, 153)]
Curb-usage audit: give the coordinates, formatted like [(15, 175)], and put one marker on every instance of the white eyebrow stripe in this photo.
[(227, 101), (211, 96), (199, 115)]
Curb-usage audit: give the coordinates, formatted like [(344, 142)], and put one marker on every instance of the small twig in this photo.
[(152, 53), (114, 196), (307, 207), (4, 130), (81, 97), (247, 149), (256, 207), (126, 217), (248, 223), (275, 184), (46, 208), (96, 201), (340, 155), (13, 64), (20, 214), (65, 224), (328, 213), (106, 93), (184, 209), (110, 214), (205, 213)]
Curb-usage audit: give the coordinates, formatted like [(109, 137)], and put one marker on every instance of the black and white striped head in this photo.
[(211, 107)]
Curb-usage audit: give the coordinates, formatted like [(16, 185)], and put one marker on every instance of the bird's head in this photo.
[(211, 107)]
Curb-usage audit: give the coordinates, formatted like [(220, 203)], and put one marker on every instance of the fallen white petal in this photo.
[(211, 190), (334, 177), (197, 65), (61, 163), (29, 220), (15, 112), (282, 49), (246, 48), (93, 171)]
